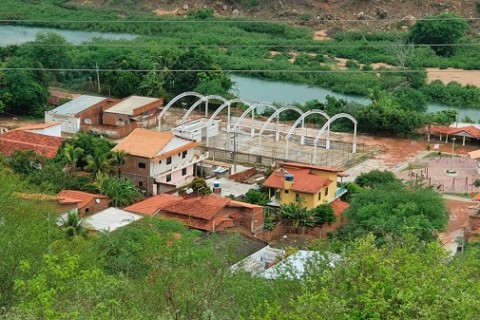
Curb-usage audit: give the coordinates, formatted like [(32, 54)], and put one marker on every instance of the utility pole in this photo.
[(98, 77), (235, 151)]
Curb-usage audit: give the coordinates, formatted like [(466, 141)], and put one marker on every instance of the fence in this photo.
[(282, 229)]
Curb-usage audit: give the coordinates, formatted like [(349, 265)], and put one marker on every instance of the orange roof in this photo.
[(239, 204), (24, 140), (151, 205), (187, 146), (38, 126), (144, 143), (474, 154), (79, 197), (470, 130), (303, 181), (204, 207), (309, 166), (339, 206)]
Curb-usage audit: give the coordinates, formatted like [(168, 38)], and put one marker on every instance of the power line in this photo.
[(227, 70), (261, 45), (233, 21)]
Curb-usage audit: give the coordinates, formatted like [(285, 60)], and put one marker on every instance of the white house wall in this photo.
[(69, 124)]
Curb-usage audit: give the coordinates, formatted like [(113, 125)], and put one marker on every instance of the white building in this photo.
[(71, 114), (197, 129), (53, 129)]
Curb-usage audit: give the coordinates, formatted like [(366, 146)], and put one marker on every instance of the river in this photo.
[(19, 34), (255, 89)]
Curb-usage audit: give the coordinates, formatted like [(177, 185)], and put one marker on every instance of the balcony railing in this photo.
[(340, 192)]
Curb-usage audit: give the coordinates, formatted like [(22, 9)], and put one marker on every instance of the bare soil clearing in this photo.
[(464, 77)]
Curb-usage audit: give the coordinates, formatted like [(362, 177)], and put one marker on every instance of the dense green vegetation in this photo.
[(168, 44), (157, 269)]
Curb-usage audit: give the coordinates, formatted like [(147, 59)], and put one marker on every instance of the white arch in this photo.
[(226, 104), (200, 101), (252, 109), (301, 119), (180, 96), (326, 127), (276, 114)]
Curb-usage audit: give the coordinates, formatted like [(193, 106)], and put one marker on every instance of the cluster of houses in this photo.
[(159, 163)]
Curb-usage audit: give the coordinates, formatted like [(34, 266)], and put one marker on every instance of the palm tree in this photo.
[(117, 159), (72, 225), (99, 166), (72, 154)]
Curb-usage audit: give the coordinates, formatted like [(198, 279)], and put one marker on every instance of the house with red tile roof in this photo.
[(41, 144), (158, 162), (460, 131), (86, 203), (309, 185), (207, 213)]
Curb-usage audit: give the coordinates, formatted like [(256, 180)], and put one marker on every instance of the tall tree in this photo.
[(99, 166), (72, 155), (442, 32), (117, 159)]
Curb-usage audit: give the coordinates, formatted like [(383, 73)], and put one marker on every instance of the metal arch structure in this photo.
[(252, 108), (301, 119), (326, 127), (180, 96), (205, 99), (277, 115), (226, 104)]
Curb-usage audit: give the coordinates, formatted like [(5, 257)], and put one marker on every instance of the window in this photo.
[(179, 154), (326, 191), (142, 165), (159, 161), (184, 154), (169, 160), (286, 191), (87, 210), (297, 197), (168, 178), (320, 195), (184, 171), (140, 183)]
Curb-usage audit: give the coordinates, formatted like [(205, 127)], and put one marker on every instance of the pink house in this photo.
[(158, 162)]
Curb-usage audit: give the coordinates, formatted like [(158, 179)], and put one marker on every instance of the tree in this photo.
[(256, 197), (26, 162), (99, 166), (72, 155), (24, 91), (394, 211), (197, 63), (400, 280), (72, 225), (117, 159), (122, 192), (198, 186), (441, 32), (376, 178)]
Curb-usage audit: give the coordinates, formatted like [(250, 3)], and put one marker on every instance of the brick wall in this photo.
[(111, 131), (94, 113), (282, 229), (140, 177), (93, 207), (244, 175)]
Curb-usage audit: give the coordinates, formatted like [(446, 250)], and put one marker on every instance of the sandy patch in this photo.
[(341, 63), (464, 77), (161, 12), (379, 65), (321, 35)]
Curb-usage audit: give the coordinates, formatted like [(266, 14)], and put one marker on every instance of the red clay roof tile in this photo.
[(80, 197), (23, 140), (339, 206), (303, 181)]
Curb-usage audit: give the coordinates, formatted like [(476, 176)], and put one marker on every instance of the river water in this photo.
[(254, 89), (247, 88), (19, 34)]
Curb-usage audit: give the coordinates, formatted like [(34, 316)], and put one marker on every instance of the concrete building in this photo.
[(82, 110), (197, 129), (142, 111), (158, 162)]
